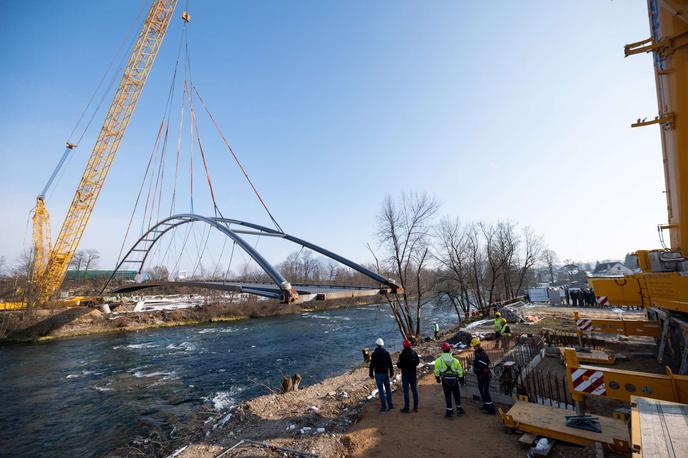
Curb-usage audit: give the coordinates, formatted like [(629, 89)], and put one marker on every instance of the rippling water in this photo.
[(90, 396)]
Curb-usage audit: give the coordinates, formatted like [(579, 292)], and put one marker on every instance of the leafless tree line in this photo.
[(482, 263), (472, 264), (85, 260)]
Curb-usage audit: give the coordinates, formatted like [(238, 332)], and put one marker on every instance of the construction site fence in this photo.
[(526, 378), (546, 388), (534, 381)]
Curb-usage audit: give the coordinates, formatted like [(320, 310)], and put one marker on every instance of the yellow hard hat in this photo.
[(498, 314), (475, 341)]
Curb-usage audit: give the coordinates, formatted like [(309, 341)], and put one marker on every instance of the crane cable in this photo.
[(63, 164), (231, 258), (151, 159), (130, 34), (236, 159), (167, 115)]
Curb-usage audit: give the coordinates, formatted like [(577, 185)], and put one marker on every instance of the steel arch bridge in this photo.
[(281, 288)]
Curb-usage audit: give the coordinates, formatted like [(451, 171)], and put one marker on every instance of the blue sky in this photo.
[(512, 110)]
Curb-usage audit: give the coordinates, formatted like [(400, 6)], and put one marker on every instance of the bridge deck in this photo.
[(269, 290)]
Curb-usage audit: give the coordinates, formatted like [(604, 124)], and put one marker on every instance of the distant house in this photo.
[(611, 268), (570, 269)]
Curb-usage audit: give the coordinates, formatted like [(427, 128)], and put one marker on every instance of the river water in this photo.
[(90, 396)]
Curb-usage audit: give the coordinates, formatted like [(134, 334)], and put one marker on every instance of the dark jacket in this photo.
[(408, 361), (381, 362), (481, 364)]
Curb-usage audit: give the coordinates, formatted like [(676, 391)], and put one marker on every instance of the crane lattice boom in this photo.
[(136, 73)]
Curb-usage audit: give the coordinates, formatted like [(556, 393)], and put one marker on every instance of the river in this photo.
[(91, 396)]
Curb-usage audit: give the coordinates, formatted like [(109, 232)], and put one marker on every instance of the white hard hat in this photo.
[(379, 342)]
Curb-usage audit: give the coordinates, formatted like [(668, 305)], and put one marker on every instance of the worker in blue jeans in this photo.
[(382, 370), (408, 361)]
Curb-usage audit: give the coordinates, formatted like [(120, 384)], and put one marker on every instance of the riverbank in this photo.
[(51, 324), (315, 419), (339, 416)]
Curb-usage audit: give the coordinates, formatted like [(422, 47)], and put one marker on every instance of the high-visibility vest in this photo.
[(452, 367), (498, 324), (436, 327)]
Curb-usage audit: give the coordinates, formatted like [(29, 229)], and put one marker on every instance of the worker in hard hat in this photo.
[(505, 332), (449, 372), (408, 361), (382, 371), (436, 330), (498, 328), (481, 369)]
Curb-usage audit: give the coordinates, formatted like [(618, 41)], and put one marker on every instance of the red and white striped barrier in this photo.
[(584, 324), (588, 381), (602, 300)]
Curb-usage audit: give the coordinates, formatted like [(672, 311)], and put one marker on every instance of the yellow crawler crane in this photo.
[(661, 286), (49, 271)]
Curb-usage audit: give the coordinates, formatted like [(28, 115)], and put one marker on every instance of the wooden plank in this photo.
[(551, 422), (635, 430), (662, 428)]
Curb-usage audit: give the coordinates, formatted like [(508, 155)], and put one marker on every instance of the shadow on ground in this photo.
[(44, 326)]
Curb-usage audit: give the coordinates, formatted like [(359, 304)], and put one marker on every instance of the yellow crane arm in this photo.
[(141, 60)]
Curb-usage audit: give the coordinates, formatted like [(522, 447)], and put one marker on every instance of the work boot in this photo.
[(415, 409), (459, 411), (404, 410), (449, 414)]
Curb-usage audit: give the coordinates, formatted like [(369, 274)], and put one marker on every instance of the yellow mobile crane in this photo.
[(50, 264), (659, 402), (661, 286)]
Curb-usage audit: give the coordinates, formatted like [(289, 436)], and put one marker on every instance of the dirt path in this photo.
[(428, 432)]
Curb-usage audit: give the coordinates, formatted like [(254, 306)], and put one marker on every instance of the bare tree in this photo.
[(78, 261), (22, 271), (484, 262), (454, 256), (495, 259), (550, 258), (309, 266), (476, 266), (91, 258), (532, 251), (158, 273), (331, 268), (404, 227)]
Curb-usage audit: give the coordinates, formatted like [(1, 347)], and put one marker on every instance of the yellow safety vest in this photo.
[(450, 367), (498, 324)]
